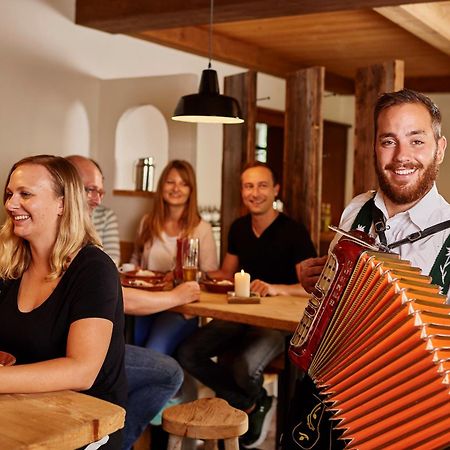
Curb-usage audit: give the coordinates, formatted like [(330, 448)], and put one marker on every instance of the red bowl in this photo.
[(218, 287), (146, 275), (146, 285), (6, 359)]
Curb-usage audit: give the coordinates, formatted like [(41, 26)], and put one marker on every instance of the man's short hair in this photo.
[(96, 164), (74, 158), (405, 96), (252, 164)]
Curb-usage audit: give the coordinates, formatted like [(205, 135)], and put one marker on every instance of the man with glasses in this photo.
[(103, 218)]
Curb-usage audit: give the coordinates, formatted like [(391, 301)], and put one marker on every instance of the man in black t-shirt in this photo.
[(265, 243), (269, 246)]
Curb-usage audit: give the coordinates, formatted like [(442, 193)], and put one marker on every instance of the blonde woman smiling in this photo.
[(61, 311)]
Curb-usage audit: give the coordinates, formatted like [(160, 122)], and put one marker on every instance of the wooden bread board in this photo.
[(252, 300)]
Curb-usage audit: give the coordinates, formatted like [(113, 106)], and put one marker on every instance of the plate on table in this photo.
[(6, 359), (144, 274), (139, 283), (218, 286)]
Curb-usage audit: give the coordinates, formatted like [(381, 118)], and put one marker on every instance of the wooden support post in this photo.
[(369, 84), (238, 149), (302, 172)]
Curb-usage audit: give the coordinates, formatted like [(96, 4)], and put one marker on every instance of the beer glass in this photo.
[(190, 259)]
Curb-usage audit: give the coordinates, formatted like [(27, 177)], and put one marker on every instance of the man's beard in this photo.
[(403, 195)]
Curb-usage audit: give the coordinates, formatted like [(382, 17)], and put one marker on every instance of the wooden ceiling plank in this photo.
[(340, 41), (194, 40), (429, 22), (122, 16)]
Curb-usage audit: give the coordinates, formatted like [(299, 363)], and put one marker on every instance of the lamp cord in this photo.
[(211, 9)]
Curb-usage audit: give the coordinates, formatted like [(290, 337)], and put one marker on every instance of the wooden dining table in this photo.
[(63, 420), (279, 313)]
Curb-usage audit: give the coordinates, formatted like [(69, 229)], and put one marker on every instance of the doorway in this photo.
[(270, 147)]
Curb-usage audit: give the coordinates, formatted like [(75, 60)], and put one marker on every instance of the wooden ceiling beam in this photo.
[(194, 40), (124, 16), (428, 84), (429, 22)]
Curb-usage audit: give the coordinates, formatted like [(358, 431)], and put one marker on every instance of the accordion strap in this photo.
[(379, 223), (421, 234)]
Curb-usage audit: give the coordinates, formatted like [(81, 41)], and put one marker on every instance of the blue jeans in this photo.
[(237, 378), (163, 331), (153, 379)]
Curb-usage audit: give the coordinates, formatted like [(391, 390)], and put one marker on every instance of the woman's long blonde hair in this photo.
[(153, 223), (75, 226)]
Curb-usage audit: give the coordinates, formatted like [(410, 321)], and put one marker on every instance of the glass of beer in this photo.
[(190, 259)]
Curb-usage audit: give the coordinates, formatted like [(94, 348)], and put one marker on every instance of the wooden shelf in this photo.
[(129, 193)]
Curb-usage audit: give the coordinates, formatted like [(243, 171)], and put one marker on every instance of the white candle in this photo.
[(242, 284)]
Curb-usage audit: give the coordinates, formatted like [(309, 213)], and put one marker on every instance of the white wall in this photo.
[(41, 88)]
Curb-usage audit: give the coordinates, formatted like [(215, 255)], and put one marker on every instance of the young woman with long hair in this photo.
[(174, 215)]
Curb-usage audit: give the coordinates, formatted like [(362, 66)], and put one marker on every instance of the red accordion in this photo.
[(375, 339)]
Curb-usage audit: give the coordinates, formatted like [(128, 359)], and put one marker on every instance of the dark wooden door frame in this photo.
[(238, 149)]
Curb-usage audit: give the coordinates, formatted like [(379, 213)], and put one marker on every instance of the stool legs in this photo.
[(231, 443), (211, 444), (175, 442)]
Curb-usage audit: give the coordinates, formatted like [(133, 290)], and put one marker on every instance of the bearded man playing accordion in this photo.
[(406, 216)]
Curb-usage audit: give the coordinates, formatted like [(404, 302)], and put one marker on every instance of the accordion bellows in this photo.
[(382, 360)]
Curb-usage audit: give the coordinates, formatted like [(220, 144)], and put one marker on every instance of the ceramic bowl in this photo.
[(6, 359)]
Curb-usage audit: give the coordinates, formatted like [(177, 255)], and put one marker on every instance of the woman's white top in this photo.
[(161, 255)]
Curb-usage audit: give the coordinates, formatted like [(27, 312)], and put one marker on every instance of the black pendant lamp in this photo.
[(208, 106)]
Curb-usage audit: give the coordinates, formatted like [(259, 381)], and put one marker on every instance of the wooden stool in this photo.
[(208, 419)]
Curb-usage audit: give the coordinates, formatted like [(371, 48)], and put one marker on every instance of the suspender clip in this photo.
[(414, 236), (379, 226)]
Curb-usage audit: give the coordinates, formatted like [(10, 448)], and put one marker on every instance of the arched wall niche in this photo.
[(118, 99), (141, 132)]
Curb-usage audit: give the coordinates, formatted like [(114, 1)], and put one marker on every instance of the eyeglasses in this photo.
[(90, 191)]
